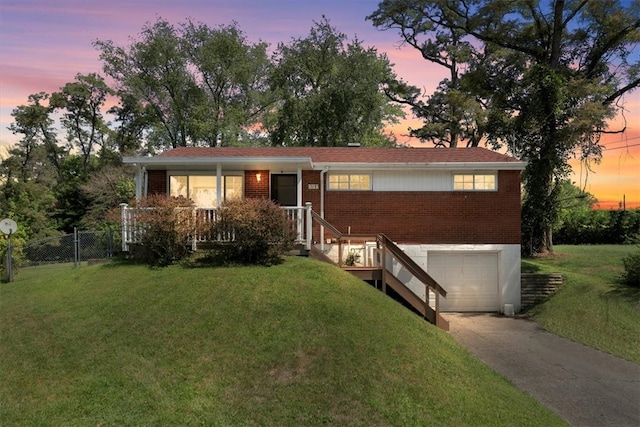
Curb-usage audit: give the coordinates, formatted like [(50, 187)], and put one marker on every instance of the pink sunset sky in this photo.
[(45, 43)]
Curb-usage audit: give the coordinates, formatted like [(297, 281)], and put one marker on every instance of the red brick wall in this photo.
[(157, 182), (445, 217), (253, 188)]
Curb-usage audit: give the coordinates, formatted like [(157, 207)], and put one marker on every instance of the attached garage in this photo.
[(471, 280)]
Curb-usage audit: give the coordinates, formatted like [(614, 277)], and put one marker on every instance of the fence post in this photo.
[(109, 242), (125, 227), (9, 260), (309, 233), (76, 247)]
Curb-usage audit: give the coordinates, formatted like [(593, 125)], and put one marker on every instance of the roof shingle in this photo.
[(347, 154)]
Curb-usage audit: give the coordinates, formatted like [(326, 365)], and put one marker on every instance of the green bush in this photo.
[(631, 275), (591, 226), (18, 241), (259, 231), (168, 225)]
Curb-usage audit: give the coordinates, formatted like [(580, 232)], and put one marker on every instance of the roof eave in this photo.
[(168, 161), (431, 166), (195, 161)]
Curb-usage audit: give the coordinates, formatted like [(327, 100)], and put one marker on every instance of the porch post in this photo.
[(309, 232), (299, 188), (218, 184), (145, 181), (139, 181)]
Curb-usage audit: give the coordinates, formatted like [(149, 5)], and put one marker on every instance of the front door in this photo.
[(284, 189)]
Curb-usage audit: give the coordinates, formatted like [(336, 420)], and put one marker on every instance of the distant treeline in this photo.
[(588, 226)]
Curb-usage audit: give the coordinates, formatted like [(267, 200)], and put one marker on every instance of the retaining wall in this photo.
[(536, 287)]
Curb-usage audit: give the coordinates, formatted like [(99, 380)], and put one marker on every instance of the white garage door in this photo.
[(471, 280)]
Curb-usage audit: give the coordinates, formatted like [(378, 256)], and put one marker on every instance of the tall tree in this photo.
[(453, 114), (232, 74), (154, 71), (551, 74), (192, 85), (330, 91), (81, 103), (31, 169), (132, 121), (36, 127)]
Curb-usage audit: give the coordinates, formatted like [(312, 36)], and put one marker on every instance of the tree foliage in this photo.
[(453, 114), (330, 91), (233, 76), (82, 103), (184, 85), (194, 84), (547, 78)]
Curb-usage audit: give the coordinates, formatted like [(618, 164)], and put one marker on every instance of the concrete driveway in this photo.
[(586, 387)]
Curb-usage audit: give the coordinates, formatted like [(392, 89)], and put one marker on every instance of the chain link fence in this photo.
[(77, 247)]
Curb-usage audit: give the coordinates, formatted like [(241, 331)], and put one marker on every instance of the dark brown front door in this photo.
[(284, 189)]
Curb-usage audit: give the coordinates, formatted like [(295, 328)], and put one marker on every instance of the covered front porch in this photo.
[(132, 229)]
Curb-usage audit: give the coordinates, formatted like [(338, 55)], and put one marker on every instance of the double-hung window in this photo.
[(474, 182), (203, 189)]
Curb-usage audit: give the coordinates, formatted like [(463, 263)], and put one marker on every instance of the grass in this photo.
[(591, 307), (301, 343)]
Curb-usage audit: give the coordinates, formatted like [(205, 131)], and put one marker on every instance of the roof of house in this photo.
[(349, 154), (320, 157)]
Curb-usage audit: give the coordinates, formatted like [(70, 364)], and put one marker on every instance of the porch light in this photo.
[(258, 177)]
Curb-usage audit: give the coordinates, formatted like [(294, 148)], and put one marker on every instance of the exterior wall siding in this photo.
[(445, 217), (411, 181), (418, 217), (253, 188)]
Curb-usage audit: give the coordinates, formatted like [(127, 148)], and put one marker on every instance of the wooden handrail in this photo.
[(386, 244), (411, 265), (323, 222)]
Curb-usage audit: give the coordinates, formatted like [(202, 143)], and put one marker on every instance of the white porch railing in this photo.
[(133, 229)]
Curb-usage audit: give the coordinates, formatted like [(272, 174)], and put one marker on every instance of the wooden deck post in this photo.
[(384, 268), (309, 226)]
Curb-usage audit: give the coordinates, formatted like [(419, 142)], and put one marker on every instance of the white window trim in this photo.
[(333, 173), (482, 190), (204, 173)]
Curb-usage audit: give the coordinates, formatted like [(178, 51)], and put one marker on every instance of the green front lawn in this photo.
[(302, 343), (591, 307)]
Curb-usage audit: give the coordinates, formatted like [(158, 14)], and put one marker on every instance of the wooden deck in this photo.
[(385, 280), (365, 273)]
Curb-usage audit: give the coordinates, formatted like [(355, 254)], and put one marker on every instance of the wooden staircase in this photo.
[(386, 253)]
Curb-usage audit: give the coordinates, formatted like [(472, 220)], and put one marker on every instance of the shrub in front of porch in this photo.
[(261, 232), (168, 225)]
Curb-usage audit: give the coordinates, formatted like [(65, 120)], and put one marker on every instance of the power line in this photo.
[(623, 140), (621, 148)]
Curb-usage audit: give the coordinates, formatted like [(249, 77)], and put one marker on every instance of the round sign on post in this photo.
[(9, 226)]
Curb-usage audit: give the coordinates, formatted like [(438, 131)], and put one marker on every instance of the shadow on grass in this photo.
[(527, 266), (627, 292)]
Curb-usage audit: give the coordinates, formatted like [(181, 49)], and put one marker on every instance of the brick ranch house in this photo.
[(455, 212)]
